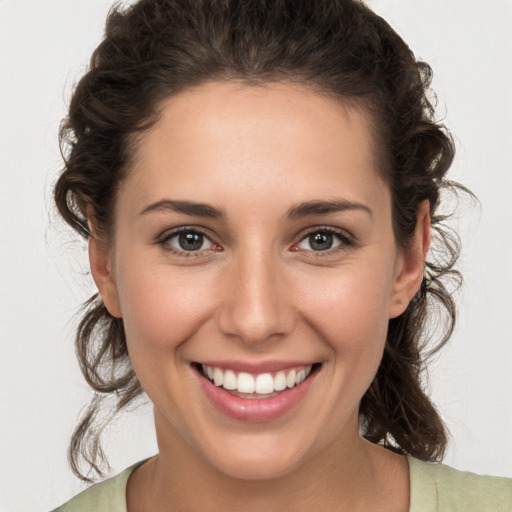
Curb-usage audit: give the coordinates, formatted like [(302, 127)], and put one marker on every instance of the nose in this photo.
[(256, 305)]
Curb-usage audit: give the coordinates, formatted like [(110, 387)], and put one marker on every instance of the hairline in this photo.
[(364, 104)]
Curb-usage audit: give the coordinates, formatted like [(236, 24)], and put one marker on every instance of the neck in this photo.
[(349, 474)]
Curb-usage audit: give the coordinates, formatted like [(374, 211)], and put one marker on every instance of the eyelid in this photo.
[(163, 241), (347, 240)]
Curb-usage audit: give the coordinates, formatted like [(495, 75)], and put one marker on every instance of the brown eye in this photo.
[(323, 240), (189, 241)]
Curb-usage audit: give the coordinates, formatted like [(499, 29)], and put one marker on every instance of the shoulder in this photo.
[(107, 495), (439, 487)]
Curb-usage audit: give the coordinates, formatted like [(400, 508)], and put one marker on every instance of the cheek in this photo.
[(350, 311), (161, 308)]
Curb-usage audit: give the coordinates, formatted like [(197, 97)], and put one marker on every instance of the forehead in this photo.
[(230, 137)]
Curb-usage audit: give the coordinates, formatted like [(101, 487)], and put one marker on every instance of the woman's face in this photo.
[(253, 240)]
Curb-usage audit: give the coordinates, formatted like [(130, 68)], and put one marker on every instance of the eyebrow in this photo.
[(186, 207), (305, 209), (323, 207)]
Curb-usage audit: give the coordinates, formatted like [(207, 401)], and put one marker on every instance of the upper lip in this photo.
[(256, 367)]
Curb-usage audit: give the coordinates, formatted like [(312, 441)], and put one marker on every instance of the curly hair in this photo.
[(341, 48)]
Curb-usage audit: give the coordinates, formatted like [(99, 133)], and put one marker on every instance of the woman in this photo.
[(259, 184)]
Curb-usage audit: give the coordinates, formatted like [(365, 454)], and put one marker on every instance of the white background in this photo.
[(44, 47)]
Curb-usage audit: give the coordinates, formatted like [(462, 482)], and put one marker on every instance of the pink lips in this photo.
[(254, 410), (255, 368)]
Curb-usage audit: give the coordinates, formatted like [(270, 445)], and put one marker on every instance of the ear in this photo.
[(411, 264), (100, 261)]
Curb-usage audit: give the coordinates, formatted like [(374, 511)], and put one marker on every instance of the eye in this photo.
[(322, 240), (188, 240)]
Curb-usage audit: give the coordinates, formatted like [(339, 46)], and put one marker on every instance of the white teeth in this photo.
[(218, 377), (262, 384), (230, 380), (245, 383), (290, 379), (301, 375), (280, 381)]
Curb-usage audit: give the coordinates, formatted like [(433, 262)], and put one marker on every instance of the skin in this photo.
[(256, 291)]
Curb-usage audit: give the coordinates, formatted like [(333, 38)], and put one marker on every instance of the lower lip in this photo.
[(255, 410)]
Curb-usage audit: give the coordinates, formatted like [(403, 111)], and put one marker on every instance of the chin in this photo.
[(257, 459), (256, 469)]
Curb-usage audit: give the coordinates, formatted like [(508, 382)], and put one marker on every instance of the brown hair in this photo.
[(156, 48)]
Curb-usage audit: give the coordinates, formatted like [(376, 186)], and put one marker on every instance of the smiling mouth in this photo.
[(257, 386)]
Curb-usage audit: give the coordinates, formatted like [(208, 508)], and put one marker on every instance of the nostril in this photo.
[(257, 305), (257, 324)]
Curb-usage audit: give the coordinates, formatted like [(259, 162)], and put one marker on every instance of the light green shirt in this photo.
[(434, 487)]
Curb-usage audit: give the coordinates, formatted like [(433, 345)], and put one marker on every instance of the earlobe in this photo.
[(101, 269), (411, 264)]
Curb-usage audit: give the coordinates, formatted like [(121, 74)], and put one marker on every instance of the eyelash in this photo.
[(346, 242), (164, 240)]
